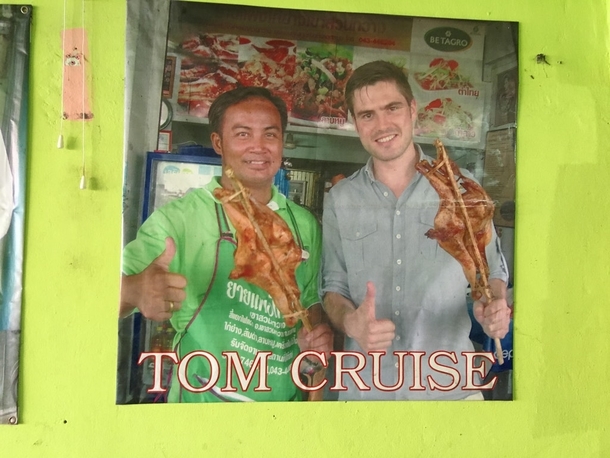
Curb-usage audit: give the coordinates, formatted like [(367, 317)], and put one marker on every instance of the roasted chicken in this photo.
[(267, 254), (462, 225)]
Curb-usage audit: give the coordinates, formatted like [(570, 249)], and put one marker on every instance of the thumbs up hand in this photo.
[(363, 326), (155, 292)]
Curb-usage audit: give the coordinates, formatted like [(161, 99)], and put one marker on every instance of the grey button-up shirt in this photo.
[(370, 235)]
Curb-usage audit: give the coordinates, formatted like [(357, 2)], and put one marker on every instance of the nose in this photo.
[(258, 143), (383, 121)]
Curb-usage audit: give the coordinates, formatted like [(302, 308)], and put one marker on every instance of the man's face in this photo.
[(384, 120), (250, 141)]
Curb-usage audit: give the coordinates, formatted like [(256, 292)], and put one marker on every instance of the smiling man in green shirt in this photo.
[(178, 267)]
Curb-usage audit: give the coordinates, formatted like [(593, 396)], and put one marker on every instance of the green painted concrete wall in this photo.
[(73, 241)]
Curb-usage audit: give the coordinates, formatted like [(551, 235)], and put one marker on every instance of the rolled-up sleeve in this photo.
[(149, 243), (495, 259), (310, 269), (333, 272)]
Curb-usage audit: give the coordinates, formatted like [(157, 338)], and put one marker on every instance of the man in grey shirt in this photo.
[(385, 284)]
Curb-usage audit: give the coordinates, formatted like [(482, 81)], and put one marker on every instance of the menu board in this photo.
[(306, 59)]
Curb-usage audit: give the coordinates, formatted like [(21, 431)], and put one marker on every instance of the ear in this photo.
[(413, 110), (216, 143), (355, 124)]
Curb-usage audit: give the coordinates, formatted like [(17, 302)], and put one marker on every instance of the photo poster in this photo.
[(306, 57)]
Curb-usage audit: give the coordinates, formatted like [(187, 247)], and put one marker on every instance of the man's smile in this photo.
[(386, 139)]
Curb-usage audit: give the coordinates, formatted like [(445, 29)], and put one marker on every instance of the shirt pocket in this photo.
[(357, 246), (357, 239), (425, 246)]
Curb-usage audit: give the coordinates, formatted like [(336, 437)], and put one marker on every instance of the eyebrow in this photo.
[(241, 126), (385, 107)]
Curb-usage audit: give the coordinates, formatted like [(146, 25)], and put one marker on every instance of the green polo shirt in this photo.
[(191, 221)]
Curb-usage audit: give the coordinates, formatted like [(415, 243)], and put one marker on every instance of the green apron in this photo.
[(236, 316)]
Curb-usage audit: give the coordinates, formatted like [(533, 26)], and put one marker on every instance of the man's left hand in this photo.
[(319, 339), (493, 317)]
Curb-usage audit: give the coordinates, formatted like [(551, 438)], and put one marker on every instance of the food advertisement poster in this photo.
[(506, 97), (446, 70), (499, 177), (227, 336), (443, 59), (305, 58), (168, 76)]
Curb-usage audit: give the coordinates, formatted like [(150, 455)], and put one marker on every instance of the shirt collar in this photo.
[(278, 200), (368, 168)]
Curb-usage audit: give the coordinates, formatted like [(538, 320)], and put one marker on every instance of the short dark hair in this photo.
[(376, 72), (226, 100)]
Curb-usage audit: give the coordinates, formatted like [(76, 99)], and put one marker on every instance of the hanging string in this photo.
[(60, 139), (83, 180)]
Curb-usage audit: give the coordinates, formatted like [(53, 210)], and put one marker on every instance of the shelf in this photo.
[(289, 128), (189, 119), (321, 131)]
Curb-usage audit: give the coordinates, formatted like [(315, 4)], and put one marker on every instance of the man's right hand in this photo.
[(362, 325), (155, 292)]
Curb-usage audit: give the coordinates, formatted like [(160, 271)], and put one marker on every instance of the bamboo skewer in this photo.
[(478, 260)]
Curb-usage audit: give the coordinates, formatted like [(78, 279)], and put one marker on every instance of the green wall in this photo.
[(73, 240)]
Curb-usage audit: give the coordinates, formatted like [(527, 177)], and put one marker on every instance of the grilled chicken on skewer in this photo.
[(462, 225), (266, 255)]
